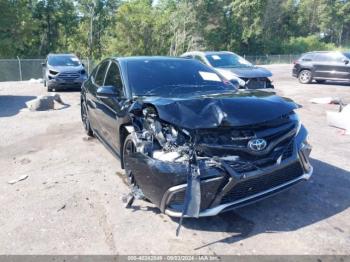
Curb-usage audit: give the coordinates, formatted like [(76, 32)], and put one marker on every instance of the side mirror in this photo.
[(107, 92), (346, 61), (43, 64), (83, 64)]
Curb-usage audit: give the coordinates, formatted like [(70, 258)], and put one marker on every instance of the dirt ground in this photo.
[(71, 201)]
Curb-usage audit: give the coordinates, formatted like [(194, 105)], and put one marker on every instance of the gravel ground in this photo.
[(71, 201)]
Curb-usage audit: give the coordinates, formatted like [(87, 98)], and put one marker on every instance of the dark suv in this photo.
[(322, 66)]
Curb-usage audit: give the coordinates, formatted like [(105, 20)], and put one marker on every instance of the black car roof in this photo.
[(152, 58)]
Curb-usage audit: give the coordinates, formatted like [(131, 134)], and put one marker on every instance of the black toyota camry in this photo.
[(191, 142)]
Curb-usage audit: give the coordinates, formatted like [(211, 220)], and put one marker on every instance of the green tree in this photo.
[(140, 29)]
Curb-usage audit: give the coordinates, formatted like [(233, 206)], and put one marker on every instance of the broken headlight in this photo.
[(172, 143), (166, 134)]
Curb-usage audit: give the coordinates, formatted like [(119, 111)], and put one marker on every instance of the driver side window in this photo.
[(113, 78), (101, 72)]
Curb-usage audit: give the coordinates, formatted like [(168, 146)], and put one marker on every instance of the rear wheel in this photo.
[(85, 120), (305, 76)]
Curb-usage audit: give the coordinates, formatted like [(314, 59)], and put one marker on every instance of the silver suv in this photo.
[(63, 71), (234, 68)]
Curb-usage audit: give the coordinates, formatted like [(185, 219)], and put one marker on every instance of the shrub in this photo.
[(298, 45)]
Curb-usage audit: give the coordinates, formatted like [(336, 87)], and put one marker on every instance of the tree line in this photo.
[(99, 28)]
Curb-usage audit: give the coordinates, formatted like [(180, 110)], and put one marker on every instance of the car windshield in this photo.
[(174, 78), (63, 61), (227, 60)]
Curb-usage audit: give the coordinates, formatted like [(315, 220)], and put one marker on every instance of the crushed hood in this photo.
[(251, 72), (237, 109)]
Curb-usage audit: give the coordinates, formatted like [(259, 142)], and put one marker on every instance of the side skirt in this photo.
[(107, 145)]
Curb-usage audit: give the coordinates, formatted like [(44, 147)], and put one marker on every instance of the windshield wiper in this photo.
[(215, 93), (174, 87)]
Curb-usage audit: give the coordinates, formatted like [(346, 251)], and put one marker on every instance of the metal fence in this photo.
[(26, 69), (271, 59)]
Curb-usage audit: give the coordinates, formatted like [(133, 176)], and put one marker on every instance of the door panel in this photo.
[(96, 104), (90, 98), (322, 66), (112, 106), (331, 66)]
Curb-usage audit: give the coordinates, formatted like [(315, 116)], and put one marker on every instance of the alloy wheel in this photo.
[(305, 77)]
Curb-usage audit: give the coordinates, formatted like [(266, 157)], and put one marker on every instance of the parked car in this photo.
[(188, 139), (321, 66), (234, 68), (63, 71)]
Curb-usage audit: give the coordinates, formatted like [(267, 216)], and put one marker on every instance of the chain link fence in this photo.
[(271, 59), (26, 69)]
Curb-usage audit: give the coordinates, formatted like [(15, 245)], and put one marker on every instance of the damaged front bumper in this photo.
[(222, 187), (213, 211)]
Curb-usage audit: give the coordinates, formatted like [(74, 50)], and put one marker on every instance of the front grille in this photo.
[(262, 183), (69, 75), (249, 164), (226, 136), (255, 83), (288, 151), (225, 141)]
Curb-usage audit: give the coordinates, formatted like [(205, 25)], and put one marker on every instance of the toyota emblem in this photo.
[(258, 144)]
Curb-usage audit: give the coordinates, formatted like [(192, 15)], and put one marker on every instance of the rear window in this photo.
[(329, 57), (307, 57)]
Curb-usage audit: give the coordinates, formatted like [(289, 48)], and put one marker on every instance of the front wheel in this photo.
[(85, 120), (129, 148), (305, 76)]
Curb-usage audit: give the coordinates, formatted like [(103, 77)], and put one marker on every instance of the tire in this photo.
[(128, 173), (49, 89), (128, 148), (320, 81), (85, 120), (305, 76)]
